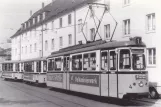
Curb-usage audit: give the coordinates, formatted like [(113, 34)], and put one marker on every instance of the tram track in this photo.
[(143, 101), (23, 87), (20, 88)]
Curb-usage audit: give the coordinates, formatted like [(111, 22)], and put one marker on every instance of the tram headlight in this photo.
[(141, 84)]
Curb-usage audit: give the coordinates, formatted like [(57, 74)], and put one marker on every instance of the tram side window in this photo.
[(51, 64), (58, 64), (10, 67), (45, 66), (89, 61), (77, 62), (38, 66), (104, 61), (17, 67), (32, 67), (66, 63), (113, 63), (22, 67), (125, 61)]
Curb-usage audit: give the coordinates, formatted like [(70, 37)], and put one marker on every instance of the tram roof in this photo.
[(98, 45), (34, 59), (10, 61)]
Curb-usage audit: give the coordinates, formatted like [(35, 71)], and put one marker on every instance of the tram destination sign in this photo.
[(89, 80), (55, 77)]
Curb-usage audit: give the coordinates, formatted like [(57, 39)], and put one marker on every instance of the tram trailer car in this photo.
[(111, 69), (35, 71), (12, 70)]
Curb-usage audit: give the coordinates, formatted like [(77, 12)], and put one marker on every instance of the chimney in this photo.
[(52, 2), (30, 12), (43, 4)]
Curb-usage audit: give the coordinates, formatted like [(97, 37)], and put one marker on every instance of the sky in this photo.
[(13, 13)]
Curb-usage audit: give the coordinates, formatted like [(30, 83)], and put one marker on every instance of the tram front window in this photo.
[(138, 61), (125, 60)]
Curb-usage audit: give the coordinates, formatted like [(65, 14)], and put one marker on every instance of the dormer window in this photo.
[(33, 21), (28, 23), (44, 14), (41, 17), (38, 18), (24, 25)]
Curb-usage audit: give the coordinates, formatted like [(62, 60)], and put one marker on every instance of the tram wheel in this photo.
[(153, 93)]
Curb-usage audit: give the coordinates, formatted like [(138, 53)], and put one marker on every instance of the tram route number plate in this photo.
[(89, 80)]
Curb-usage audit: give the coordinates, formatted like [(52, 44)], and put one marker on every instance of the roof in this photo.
[(95, 46), (55, 8)]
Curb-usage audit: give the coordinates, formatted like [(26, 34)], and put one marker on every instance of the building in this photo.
[(5, 54), (60, 24)]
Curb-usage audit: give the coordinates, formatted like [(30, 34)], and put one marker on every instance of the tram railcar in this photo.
[(12, 70), (35, 70), (111, 69)]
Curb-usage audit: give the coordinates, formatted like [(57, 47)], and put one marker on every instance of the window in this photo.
[(38, 18), (151, 54), (44, 66), (126, 27), (138, 61), (113, 63), (51, 64), (58, 64), (77, 62), (126, 2), (52, 25), (89, 61), (107, 31), (46, 28), (33, 21), (38, 66), (104, 61), (35, 47), (79, 25), (69, 19), (151, 22), (92, 33), (29, 66), (44, 15), (66, 63), (61, 41), (15, 51), (125, 61), (22, 50), (70, 39), (60, 22), (52, 44), (46, 45), (30, 48)]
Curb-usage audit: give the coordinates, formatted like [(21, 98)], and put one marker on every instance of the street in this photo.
[(18, 94)]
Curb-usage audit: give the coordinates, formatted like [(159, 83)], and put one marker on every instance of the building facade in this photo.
[(65, 23)]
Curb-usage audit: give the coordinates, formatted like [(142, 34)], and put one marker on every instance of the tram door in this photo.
[(105, 75), (113, 75), (65, 72)]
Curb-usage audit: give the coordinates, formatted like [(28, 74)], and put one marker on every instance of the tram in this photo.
[(35, 70), (12, 70), (112, 69)]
